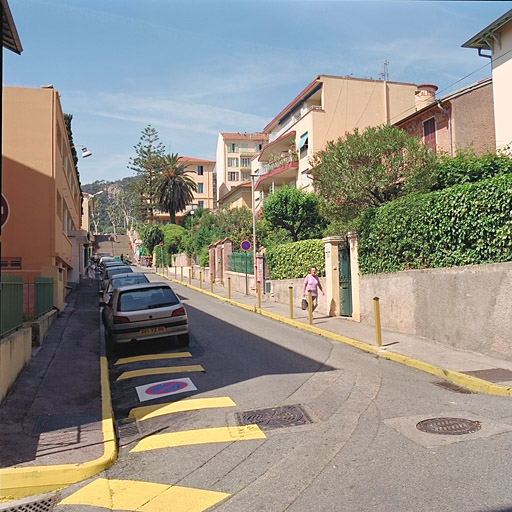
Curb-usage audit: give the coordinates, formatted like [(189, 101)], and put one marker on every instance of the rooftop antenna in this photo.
[(385, 73)]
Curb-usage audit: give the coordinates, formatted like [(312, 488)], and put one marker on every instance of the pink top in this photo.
[(311, 283)]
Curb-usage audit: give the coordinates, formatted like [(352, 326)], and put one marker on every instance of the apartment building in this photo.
[(202, 173), (42, 236), (234, 154), (461, 119), (497, 39), (325, 110)]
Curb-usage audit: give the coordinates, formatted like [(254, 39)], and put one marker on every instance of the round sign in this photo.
[(166, 387), (245, 245), (4, 211)]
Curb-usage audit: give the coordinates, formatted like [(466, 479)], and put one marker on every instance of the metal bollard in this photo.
[(201, 279), (181, 274), (258, 291), (175, 272), (310, 308), (211, 283), (229, 288), (189, 276), (376, 312), (290, 295)]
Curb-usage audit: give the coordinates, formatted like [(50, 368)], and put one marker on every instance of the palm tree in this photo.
[(176, 187)]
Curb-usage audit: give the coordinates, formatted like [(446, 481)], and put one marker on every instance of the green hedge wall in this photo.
[(291, 261), (461, 225)]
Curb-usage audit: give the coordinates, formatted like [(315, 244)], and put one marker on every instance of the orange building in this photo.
[(42, 236)]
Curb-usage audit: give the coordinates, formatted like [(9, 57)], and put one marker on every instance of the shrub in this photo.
[(465, 224), (291, 261)]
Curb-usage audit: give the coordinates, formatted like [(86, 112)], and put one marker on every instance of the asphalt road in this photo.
[(356, 447)]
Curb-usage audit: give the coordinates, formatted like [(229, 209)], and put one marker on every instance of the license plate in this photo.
[(152, 330)]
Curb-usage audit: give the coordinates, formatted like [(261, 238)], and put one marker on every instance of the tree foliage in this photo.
[(151, 235), (295, 211), (175, 186), (371, 168)]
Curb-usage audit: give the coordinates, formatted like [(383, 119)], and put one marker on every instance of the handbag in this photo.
[(304, 304)]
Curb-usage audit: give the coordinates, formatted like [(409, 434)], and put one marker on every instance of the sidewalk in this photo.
[(56, 425)]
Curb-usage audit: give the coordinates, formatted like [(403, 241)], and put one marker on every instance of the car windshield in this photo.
[(125, 281), (147, 298), (117, 270)]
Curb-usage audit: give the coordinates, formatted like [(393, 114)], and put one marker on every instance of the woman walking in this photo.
[(312, 284)]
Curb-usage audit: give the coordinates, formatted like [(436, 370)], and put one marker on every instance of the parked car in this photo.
[(144, 312), (111, 271), (122, 279)]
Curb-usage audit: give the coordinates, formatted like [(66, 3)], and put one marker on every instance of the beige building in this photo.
[(497, 39), (234, 154), (461, 119), (42, 236), (325, 110), (202, 172)]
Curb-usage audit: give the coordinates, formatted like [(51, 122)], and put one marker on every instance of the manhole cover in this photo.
[(287, 416), (449, 426)]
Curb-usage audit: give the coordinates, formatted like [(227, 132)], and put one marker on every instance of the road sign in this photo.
[(4, 211), (245, 245), (164, 388)]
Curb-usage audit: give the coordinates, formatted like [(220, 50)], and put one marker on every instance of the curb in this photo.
[(459, 378), (21, 482)]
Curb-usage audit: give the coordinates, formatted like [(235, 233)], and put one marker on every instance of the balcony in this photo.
[(281, 171)]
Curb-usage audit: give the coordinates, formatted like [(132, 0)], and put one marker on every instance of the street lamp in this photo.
[(192, 211), (85, 151), (253, 178)]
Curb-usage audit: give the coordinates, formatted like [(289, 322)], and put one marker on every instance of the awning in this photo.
[(303, 140)]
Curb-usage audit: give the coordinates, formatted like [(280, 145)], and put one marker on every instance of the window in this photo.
[(303, 145), (429, 133), (232, 147), (59, 205), (232, 162), (232, 176), (11, 263), (200, 170), (245, 162), (200, 204), (200, 187), (246, 176)]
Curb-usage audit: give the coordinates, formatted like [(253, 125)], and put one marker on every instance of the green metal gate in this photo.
[(345, 285)]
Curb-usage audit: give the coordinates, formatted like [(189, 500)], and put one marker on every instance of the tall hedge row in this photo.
[(464, 224), (290, 261)]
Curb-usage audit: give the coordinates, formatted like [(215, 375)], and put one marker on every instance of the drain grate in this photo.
[(45, 504), (449, 426), (450, 386), (286, 416), (127, 429)]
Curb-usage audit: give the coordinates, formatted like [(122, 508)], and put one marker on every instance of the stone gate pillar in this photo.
[(332, 274), (355, 275)]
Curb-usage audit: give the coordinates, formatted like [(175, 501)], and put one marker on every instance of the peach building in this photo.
[(497, 39), (462, 119), (42, 236), (325, 110), (202, 172)]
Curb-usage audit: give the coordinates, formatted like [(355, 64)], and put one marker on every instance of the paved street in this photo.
[(354, 444)]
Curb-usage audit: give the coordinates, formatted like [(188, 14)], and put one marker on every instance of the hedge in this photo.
[(461, 225), (293, 260)]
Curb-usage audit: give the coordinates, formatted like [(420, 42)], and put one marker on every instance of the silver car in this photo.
[(144, 312), (112, 271), (123, 279)]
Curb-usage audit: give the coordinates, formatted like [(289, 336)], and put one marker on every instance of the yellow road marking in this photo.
[(199, 436), (160, 371), (153, 357), (192, 404), (143, 496)]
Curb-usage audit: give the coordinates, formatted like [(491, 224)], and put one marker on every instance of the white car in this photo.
[(124, 279), (143, 312)]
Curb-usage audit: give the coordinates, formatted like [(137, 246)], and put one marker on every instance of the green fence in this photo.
[(43, 295), (11, 303), (241, 262)]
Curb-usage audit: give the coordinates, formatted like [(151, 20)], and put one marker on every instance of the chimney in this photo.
[(425, 95)]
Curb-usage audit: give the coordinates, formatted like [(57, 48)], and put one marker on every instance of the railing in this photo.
[(241, 262), (11, 303), (280, 162), (43, 295)]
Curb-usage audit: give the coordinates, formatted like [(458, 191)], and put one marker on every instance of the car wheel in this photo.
[(183, 340)]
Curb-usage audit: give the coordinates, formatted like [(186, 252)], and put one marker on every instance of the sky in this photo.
[(194, 68)]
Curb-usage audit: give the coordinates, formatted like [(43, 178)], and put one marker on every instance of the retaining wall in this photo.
[(15, 353)]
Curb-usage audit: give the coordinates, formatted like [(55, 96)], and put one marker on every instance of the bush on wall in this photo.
[(291, 261), (465, 224)]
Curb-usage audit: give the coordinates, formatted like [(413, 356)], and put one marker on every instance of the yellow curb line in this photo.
[(462, 379), (20, 482)]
